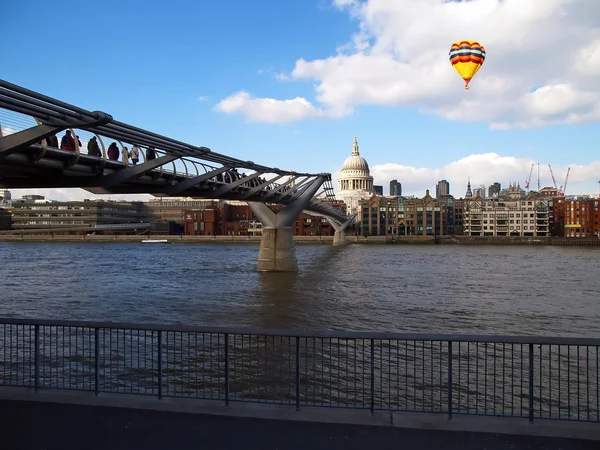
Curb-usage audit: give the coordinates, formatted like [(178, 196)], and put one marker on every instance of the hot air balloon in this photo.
[(467, 57)]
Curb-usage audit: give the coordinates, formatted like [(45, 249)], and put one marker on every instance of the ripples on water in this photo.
[(442, 289)]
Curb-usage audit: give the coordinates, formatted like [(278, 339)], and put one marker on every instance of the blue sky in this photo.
[(151, 65)]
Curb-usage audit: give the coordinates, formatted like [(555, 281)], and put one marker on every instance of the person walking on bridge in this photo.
[(113, 152), (135, 154), (52, 141), (93, 149), (150, 154), (125, 156), (67, 142)]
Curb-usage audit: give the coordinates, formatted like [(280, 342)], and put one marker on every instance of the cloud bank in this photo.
[(542, 66)]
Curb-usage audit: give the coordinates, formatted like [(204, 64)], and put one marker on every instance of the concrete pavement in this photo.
[(52, 426)]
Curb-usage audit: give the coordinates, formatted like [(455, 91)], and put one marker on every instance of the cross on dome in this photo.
[(355, 147)]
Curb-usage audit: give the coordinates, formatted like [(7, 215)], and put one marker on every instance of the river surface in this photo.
[(425, 288)]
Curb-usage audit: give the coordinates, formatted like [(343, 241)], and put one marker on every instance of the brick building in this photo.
[(576, 217), (238, 220), (203, 222), (405, 216)]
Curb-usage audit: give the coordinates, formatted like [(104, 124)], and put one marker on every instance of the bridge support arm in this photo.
[(277, 252), (13, 142), (129, 173), (339, 238)]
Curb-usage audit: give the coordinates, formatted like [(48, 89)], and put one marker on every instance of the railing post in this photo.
[(159, 364), (297, 373), (450, 380), (226, 369), (96, 360), (372, 376), (36, 358), (530, 383)]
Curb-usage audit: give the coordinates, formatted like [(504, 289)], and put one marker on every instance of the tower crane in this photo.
[(562, 191), (528, 180), (552, 175)]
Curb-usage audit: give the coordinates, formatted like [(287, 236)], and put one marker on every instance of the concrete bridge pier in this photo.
[(277, 251), (339, 238)]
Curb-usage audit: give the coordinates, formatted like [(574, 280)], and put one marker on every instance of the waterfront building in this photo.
[(5, 219), (238, 220), (395, 188), (401, 216), (425, 216), (355, 183), (380, 216), (442, 188), (523, 216), (56, 215), (202, 222), (164, 210), (457, 217), (576, 216)]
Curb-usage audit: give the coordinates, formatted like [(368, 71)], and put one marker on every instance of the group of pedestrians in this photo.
[(68, 143), (133, 154)]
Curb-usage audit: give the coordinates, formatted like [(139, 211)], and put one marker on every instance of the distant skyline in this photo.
[(288, 83)]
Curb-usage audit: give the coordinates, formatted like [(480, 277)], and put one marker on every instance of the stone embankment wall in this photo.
[(515, 240), (452, 240)]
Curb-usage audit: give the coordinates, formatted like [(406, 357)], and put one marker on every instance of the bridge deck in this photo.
[(30, 159)]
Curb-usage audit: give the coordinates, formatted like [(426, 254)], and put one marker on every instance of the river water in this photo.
[(425, 288)]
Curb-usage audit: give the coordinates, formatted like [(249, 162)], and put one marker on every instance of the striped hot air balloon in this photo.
[(467, 57)]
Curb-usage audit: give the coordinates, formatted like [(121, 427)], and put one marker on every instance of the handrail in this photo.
[(351, 335)]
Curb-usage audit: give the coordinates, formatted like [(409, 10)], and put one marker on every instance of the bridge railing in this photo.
[(184, 167), (528, 377)]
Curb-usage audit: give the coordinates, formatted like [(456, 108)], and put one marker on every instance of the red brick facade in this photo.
[(235, 220), (576, 217)]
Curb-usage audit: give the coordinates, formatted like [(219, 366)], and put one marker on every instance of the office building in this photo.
[(442, 188), (395, 188)]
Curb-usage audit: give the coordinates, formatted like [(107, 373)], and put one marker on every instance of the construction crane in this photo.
[(561, 191), (552, 175), (528, 180), (539, 185)]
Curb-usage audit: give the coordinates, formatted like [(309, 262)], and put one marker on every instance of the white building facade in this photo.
[(355, 182), (528, 216)]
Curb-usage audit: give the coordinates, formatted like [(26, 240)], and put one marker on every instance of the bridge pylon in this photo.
[(339, 238), (277, 252)]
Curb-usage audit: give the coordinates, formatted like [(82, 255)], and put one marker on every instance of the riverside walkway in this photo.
[(74, 427), (385, 384)]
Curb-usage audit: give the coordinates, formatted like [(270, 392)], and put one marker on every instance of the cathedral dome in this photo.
[(355, 162)]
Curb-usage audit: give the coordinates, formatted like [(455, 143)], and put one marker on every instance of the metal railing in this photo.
[(528, 377)]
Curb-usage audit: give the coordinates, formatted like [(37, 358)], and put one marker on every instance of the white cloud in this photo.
[(483, 168), (269, 109), (202, 98), (399, 56)]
